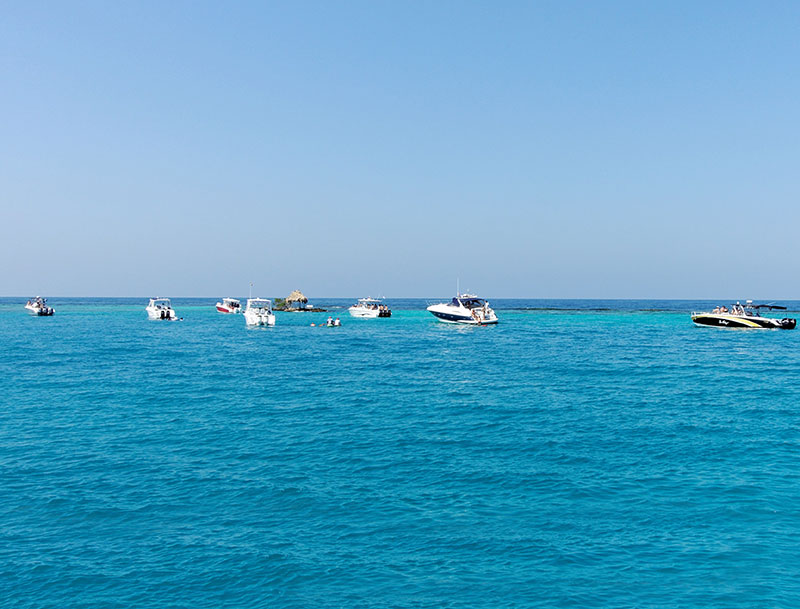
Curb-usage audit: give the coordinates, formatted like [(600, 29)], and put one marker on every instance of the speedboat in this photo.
[(370, 308), (465, 309), (259, 312), (160, 308), (744, 316), (229, 305), (38, 306)]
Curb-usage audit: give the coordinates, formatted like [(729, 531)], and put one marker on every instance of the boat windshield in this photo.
[(473, 303), (160, 302), (259, 303), (231, 301)]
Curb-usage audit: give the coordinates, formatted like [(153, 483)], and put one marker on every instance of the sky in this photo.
[(530, 149)]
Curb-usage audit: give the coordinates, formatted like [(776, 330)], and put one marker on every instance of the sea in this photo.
[(581, 453)]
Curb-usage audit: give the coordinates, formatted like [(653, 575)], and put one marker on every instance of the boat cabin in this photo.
[(469, 302), (259, 303)]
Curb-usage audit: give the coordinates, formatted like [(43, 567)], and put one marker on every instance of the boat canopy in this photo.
[(370, 300), (160, 302), (230, 301), (259, 303)]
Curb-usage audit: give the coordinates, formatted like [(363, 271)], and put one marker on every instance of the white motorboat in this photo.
[(38, 306), (160, 308), (370, 308), (259, 312), (465, 309), (229, 305)]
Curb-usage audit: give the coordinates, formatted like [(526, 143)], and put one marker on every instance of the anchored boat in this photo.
[(259, 312), (747, 315), (370, 308), (38, 306), (160, 308), (465, 309), (229, 305)]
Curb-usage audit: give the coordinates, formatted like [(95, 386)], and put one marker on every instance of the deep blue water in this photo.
[(579, 454)]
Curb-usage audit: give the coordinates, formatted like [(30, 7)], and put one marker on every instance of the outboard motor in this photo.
[(788, 323)]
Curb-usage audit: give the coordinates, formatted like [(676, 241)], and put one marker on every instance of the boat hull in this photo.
[(452, 317), (369, 313), (363, 313), (255, 319), (161, 314), (224, 309), (721, 320), (40, 311)]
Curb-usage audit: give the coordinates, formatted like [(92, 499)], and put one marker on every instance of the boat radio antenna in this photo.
[(251, 290)]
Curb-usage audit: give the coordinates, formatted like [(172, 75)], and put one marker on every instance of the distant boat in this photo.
[(160, 308), (370, 308), (744, 316), (465, 309), (259, 312), (229, 305), (38, 306)]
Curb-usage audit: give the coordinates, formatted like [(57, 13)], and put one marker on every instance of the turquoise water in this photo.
[(580, 454)]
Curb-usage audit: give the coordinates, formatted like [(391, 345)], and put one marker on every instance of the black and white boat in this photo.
[(465, 309), (38, 306), (747, 315)]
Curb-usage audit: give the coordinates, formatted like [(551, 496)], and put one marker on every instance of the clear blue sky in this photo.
[(533, 149)]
